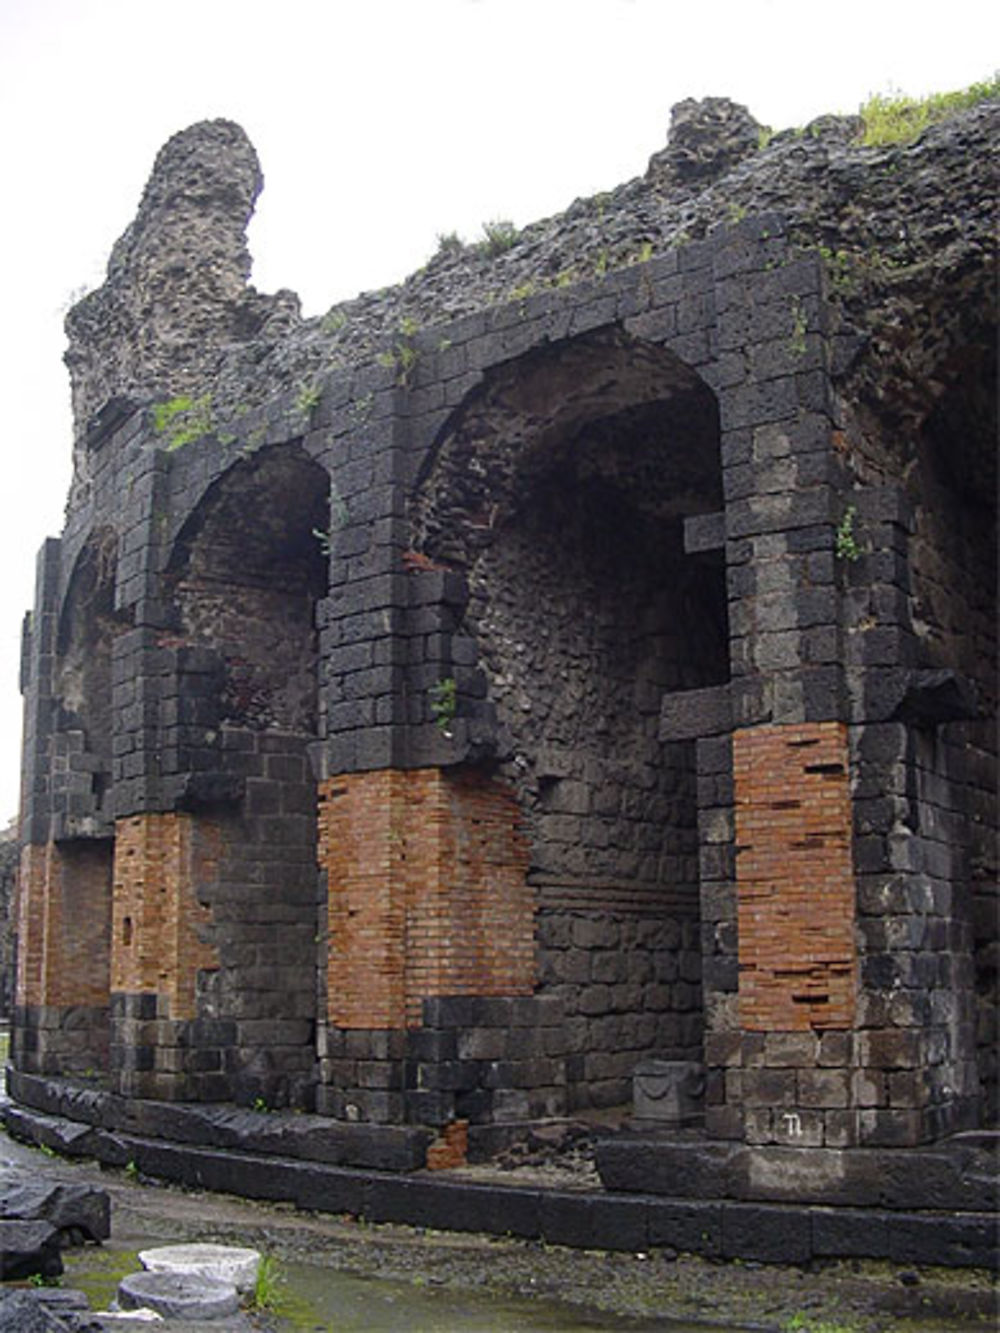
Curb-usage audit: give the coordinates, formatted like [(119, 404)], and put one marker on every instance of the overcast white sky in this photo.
[(379, 124)]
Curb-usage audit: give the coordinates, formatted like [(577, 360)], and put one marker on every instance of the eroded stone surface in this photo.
[(27, 1248), (81, 1211), (226, 1263), (178, 1295)]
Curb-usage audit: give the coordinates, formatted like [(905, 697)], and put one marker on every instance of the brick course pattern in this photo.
[(795, 885), (427, 893), (63, 916), (158, 924)]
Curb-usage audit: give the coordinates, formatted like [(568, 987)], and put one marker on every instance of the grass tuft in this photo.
[(266, 1294), (890, 118)]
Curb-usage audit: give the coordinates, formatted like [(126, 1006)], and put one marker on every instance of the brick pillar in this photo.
[(795, 885), (158, 945), (31, 924), (791, 1065), (427, 894), (64, 909), (427, 898)]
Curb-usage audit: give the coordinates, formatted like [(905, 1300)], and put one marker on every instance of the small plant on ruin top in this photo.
[(891, 118), (498, 237), (449, 243), (333, 321)]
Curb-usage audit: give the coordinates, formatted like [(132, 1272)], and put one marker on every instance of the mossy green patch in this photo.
[(96, 1270)]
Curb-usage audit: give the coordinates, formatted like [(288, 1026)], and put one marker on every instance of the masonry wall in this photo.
[(615, 737), (62, 994), (8, 931), (427, 898)]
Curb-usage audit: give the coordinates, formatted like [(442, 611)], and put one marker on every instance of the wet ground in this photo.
[(338, 1274)]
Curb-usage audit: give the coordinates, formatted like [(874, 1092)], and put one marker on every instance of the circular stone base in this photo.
[(178, 1295), (225, 1263)]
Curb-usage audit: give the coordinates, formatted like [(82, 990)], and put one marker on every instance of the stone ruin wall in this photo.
[(687, 494)]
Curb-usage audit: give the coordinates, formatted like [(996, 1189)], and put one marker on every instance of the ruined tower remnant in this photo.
[(572, 658)]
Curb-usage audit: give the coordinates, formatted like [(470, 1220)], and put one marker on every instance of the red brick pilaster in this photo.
[(795, 884), (427, 893), (158, 925), (64, 913)]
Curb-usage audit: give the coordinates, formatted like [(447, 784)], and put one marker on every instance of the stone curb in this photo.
[(715, 1228)]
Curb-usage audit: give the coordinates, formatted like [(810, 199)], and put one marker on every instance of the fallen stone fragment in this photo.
[(20, 1312), (70, 1208), (178, 1295), (144, 1315), (27, 1248), (225, 1263)]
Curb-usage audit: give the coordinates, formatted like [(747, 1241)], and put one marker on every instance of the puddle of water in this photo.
[(326, 1301), (313, 1298)]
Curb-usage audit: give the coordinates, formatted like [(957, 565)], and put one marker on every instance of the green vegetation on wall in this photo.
[(890, 119)]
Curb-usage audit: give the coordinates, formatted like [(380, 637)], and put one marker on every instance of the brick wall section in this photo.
[(64, 911), (64, 914), (31, 915), (795, 886), (157, 946), (427, 893)]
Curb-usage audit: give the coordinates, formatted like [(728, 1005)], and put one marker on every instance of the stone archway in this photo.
[(65, 894), (245, 574), (560, 489)]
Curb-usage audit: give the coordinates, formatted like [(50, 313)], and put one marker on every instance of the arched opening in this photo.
[(953, 808), (72, 927), (561, 489), (245, 576), (87, 627)]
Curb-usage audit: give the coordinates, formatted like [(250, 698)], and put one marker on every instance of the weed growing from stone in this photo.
[(798, 338), (266, 1292), (845, 546), (444, 703), (403, 360), (838, 267), (308, 398), (183, 419)]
